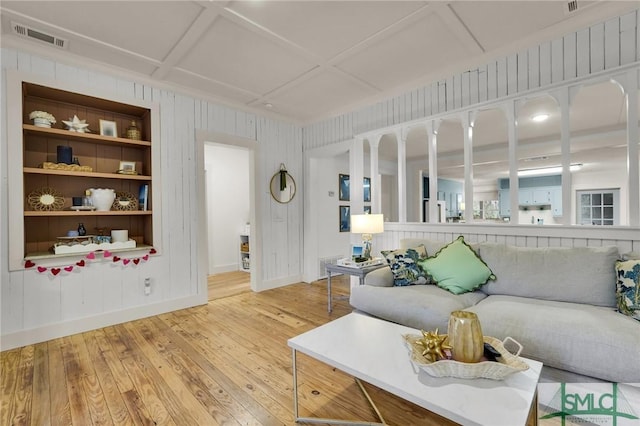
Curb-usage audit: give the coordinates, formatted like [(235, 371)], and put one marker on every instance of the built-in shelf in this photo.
[(84, 137), (48, 255), (80, 213), (33, 233), (37, 170)]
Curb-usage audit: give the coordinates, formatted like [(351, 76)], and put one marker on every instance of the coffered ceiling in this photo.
[(301, 60)]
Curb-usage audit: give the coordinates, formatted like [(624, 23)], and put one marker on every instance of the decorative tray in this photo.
[(496, 370), (353, 264)]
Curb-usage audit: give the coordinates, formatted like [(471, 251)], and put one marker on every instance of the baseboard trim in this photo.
[(221, 269), (80, 325), (279, 282)]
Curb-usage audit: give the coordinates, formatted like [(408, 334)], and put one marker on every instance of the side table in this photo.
[(356, 272)]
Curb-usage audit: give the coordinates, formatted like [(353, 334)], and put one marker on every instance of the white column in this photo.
[(401, 136), (564, 96), (356, 176), (511, 111), (631, 96), (468, 120), (376, 183), (432, 137)]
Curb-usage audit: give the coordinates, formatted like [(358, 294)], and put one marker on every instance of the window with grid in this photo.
[(598, 207)]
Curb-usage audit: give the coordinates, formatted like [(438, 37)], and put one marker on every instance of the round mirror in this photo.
[(283, 187)]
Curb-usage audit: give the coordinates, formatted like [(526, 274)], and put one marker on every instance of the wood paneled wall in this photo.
[(38, 307), (604, 46)]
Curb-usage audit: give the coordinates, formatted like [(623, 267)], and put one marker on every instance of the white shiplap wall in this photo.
[(602, 47), (599, 49), (37, 307)]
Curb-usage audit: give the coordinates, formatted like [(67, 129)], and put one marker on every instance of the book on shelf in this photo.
[(143, 196)]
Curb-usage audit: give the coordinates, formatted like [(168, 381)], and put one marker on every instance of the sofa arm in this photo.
[(382, 277)]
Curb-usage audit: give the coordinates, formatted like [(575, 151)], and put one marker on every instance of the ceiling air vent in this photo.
[(25, 31), (572, 6)]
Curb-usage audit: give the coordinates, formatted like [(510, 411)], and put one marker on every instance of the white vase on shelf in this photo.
[(102, 198), (41, 122)]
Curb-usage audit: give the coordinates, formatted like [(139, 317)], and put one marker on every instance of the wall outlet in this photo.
[(147, 286)]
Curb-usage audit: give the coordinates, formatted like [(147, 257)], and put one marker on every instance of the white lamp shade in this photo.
[(367, 223)]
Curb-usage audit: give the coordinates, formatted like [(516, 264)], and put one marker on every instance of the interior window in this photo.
[(598, 207)]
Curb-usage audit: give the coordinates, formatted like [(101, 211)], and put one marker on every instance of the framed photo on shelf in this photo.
[(343, 187), (367, 189), (127, 167), (345, 218), (108, 128)]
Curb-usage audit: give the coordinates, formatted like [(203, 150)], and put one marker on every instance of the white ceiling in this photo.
[(309, 60)]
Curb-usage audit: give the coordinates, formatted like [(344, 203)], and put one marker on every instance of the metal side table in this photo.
[(356, 272)]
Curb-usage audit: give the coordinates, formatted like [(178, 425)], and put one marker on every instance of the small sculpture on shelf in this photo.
[(76, 125), (133, 132)]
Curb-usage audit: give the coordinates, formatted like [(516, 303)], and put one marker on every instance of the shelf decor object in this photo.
[(108, 128), (65, 167), (125, 201), (133, 132), (102, 198), (42, 118), (45, 199), (76, 125)]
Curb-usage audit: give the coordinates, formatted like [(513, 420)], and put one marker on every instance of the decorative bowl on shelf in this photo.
[(496, 370)]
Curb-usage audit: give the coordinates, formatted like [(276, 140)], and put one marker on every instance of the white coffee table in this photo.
[(374, 351)]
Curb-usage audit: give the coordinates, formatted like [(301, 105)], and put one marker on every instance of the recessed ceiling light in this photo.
[(539, 118), (268, 105)]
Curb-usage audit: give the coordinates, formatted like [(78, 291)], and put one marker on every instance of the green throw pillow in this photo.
[(457, 268), (404, 265), (628, 287)]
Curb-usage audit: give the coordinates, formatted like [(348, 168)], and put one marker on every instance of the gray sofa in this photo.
[(559, 303)]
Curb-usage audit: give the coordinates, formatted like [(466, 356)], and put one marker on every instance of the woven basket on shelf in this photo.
[(495, 370)]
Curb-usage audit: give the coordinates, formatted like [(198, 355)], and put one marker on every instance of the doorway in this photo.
[(228, 215)]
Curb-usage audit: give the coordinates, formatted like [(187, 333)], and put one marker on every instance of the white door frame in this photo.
[(203, 137)]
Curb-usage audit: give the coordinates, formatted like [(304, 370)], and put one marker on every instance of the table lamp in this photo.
[(367, 224)]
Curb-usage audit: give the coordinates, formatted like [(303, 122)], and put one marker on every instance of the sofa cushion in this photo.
[(404, 265), (457, 268), (424, 307), (382, 277), (577, 274), (628, 287), (590, 340)]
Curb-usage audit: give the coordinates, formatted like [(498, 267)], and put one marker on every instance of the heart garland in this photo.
[(90, 256)]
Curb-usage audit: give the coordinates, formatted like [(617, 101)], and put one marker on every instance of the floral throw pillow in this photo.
[(628, 287), (404, 265)]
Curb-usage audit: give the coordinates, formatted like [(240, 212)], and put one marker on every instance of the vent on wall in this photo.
[(323, 261), (25, 31), (572, 6)]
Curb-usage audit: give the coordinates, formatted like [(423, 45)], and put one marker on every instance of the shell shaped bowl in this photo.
[(495, 370)]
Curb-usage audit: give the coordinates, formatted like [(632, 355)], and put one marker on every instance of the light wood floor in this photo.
[(226, 362), (228, 284)]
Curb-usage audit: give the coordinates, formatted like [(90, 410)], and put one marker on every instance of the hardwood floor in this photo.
[(226, 362), (228, 284)]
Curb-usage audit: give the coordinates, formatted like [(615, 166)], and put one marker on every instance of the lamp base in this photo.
[(366, 242)]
